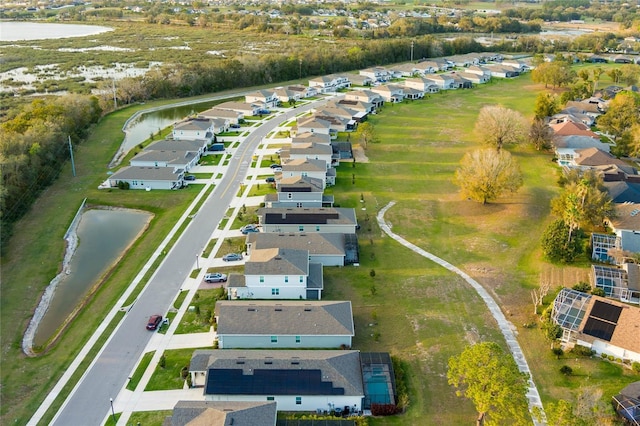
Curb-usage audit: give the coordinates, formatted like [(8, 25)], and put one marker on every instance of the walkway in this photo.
[(505, 326)]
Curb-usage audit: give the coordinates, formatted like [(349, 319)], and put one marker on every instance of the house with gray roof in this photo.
[(194, 129), (323, 220), (365, 96), (308, 137), (390, 92), (266, 98), (277, 273), (313, 125), (360, 80), (223, 413), (295, 380), (147, 178), (422, 84), (298, 191), (327, 249), (198, 145), (247, 109), (284, 324), (302, 167), (177, 160), (443, 81), (234, 117)]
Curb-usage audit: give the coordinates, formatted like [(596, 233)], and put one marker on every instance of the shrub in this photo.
[(636, 367), (598, 292), (558, 352), (384, 409), (582, 350), (582, 286), (184, 372), (189, 382), (162, 362), (566, 370)]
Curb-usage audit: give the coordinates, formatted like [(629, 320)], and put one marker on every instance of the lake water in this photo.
[(18, 31), (103, 236)]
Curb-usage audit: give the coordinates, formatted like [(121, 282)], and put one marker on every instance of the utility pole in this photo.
[(411, 50), (115, 99), (73, 165), (300, 67)]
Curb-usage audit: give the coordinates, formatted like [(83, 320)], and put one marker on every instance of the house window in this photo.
[(304, 174), (298, 400), (271, 398), (317, 228), (286, 279), (301, 278), (289, 195), (298, 339), (275, 291), (134, 183), (299, 205), (274, 339), (301, 228), (261, 279)]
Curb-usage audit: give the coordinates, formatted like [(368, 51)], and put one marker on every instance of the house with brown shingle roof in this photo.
[(593, 157), (571, 128), (222, 413)]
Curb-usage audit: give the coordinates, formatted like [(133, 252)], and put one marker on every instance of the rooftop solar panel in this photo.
[(600, 329), (606, 311), (269, 382)]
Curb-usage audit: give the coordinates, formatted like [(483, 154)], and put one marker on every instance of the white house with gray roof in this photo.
[(298, 191), (277, 273), (177, 160), (295, 380), (327, 249), (193, 128), (234, 117), (198, 145), (323, 220), (147, 178), (284, 324), (303, 167), (223, 413)]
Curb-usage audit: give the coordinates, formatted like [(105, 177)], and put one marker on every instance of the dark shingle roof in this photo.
[(316, 243)]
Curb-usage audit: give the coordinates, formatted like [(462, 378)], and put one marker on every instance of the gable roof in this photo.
[(177, 145), (282, 317), (315, 242), (146, 173), (625, 331), (299, 184), (570, 128), (596, 157), (284, 372), (193, 124), (307, 137), (178, 157), (308, 216), (277, 261), (219, 112), (580, 142), (623, 192), (313, 122), (627, 217), (309, 148), (304, 165), (223, 413)]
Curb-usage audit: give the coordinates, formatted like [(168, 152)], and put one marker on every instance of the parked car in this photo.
[(190, 177), (231, 257), (154, 322), (235, 126), (275, 166), (264, 111), (270, 179), (215, 277), (276, 169), (249, 228)]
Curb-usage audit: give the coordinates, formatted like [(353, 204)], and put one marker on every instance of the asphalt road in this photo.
[(90, 402)]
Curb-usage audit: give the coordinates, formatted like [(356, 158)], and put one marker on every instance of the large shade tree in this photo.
[(623, 113), (499, 126), (485, 174), (489, 377)]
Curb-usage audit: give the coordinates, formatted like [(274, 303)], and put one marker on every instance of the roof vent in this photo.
[(307, 309), (239, 362), (295, 363), (278, 309), (251, 309)]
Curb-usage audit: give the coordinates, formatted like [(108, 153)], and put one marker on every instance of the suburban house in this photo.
[(566, 147), (405, 70), (593, 110), (592, 157), (366, 96), (265, 98), (626, 191), (284, 94), (147, 178), (605, 326), (277, 273), (427, 67), (199, 146), (222, 413), (515, 64), (483, 72), (327, 249), (337, 123), (621, 283), (343, 111), (193, 129), (502, 71), (303, 91), (377, 74), (177, 160), (572, 128), (234, 117), (422, 84), (323, 220), (360, 80), (413, 94), (298, 191), (627, 403), (389, 92), (572, 114), (443, 81), (311, 137), (296, 380), (471, 77), (246, 109), (329, 83), (318, 169), (308, 151), (284, 324), (625, 225), (459, 82), (312, 125)]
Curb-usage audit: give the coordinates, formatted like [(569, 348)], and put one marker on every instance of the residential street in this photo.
[(89, 402)]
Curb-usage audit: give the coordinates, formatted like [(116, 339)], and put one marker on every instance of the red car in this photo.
[(154, 322)]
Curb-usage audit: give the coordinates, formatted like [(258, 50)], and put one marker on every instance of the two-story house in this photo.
[(318, 169), (298, 191), (266, 98), (324, 220), (193, 129)]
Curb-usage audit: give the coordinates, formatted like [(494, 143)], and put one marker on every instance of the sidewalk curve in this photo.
[(505, 326)]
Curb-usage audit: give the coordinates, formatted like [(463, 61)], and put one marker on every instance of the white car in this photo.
[(215, 277)]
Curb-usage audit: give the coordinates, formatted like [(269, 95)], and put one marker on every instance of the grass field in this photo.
[(411, 308)]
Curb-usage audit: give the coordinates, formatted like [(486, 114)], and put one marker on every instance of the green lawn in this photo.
[(197, 319), (169, 377)]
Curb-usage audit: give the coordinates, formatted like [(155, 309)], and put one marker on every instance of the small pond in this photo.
[(103, 237)]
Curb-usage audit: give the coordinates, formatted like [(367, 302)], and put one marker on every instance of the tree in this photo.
[(365, 133), (540, 135), (555, 245), (556, 74), (546, 105), (499, 126), (489, 377), (623, 113), (485, 174)]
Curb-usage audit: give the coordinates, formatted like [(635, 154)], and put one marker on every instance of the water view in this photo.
[(19, 31), (104, 236)]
